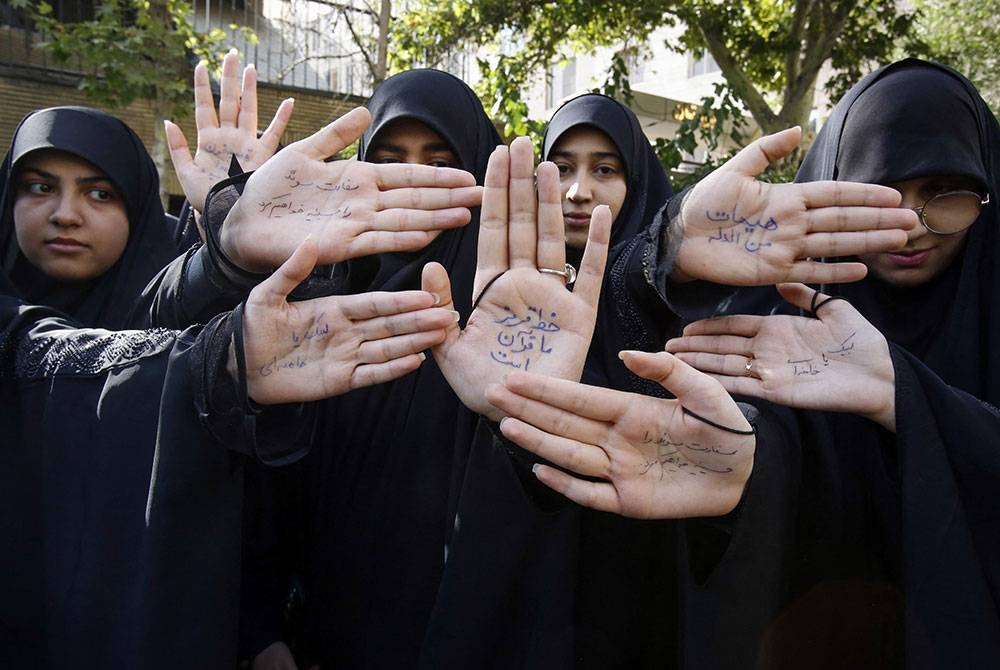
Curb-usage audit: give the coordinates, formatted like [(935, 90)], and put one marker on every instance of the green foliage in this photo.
[(132, 49), (964, 34)]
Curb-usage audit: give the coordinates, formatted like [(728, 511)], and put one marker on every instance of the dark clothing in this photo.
[(121, 492), (108, 301)]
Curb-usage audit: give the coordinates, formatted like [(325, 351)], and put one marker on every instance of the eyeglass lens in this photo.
[(952, 212)]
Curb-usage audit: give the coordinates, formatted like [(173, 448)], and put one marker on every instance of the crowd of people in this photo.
[(442, 406)]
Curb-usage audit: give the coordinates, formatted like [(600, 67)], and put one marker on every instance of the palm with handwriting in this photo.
[(744, 232), (838, 362), (525, 319), (631, 454), (314, 349), (350, 208)]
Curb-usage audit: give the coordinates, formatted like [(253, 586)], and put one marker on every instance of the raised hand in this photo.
[(350, 208), (744, 232), (318, 348), (233, 132), (526, 318), (652, 459), (838, 362)]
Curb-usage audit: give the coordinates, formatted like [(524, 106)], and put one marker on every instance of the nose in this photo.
[(67, 212), (579, 190), (911, 200)]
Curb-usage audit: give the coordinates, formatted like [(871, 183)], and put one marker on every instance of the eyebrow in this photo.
[(565, 153), (80, 180), (431, 146)]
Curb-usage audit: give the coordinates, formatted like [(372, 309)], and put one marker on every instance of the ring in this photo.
[(568, 275), (748, 368)]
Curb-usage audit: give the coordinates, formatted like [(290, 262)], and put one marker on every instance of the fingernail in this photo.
[(456, 315), (437, 298), (422, 356), (534, 468)]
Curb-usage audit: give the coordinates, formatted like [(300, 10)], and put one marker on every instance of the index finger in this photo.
[(591, 402), (400, 175), (846, 194)]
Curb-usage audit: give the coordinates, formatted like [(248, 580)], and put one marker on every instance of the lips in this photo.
[(908, 259), (576, 219), (65, 244)]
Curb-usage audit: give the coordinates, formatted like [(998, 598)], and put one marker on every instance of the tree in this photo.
[(965, 35), (770, 52), (132, 49)]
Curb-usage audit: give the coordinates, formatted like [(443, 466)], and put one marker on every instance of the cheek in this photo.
[(29, 222), (616, 198), (114, 233)]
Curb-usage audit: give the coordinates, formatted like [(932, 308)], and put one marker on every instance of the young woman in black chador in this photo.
[(82, 227)]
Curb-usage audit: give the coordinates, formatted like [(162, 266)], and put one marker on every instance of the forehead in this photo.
[(408, 132), (59, 163), (585, 140)]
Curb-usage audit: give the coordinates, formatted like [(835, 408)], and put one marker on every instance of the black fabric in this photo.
[(380, 488), (108, 301)]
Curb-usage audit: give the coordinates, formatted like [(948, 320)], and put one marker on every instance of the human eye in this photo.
[(607, 170), (36, 187), (384, 158), (443, 161), (101, 195), (564, 168)]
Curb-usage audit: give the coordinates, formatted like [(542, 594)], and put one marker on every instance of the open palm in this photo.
[(524, 319)]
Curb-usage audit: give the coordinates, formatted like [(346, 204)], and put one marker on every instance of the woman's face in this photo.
[(69, 218), (926, 254), (591, 173), (411, 141)]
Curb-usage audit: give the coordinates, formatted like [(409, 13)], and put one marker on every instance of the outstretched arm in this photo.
[(525, 316), (837, 361), (631, 454), (740, 231), (313, 349)]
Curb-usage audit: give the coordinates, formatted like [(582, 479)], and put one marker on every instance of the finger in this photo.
[(383, 303), (523, 207), (846, 193), (423, 320), (551, 249), (229, 90), (204, 104), (741, 385), (740, 324), (380, 373), (756, 156), (389, 348), (371, 243), (595, 257), (290, 274), (731, 365), (180, 152), (400, 175), (589, 402), (799, 295), (434, 279), (248, 100), (334, 136), (816, 272), (596, 495), (836, 245), (270, 138), (584, 459), (695, 390), (429, 198), (716, 344), (393, 220), (492, 244), (851, 219)]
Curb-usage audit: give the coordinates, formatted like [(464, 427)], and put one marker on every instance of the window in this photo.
[(702, 63)]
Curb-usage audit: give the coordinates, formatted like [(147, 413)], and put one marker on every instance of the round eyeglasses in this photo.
[(951, 212)]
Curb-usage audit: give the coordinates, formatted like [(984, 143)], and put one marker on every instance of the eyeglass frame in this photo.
[(920, 210)]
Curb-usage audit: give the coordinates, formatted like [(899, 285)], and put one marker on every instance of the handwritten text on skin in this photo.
[(522, 338), (670, 459), (746, 236), (285, 204), (809, 366), (297, 361)]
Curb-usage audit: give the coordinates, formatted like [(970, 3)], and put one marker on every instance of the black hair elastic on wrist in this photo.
[(734, 431), (814, 306)]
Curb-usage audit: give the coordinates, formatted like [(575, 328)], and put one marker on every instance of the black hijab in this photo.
[(916, 119), (114, 149), (619, 324), (382, 489)]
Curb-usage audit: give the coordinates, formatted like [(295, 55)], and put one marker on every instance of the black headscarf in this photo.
[(619, 324), (917, 119), (382, 488), (908, 120), (114, 149)]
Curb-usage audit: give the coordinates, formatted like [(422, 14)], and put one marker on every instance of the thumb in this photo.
[(756, 156), (335, 136), (434, 279), (797, 294), (292, 272)]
